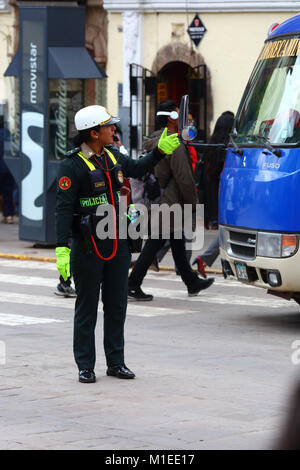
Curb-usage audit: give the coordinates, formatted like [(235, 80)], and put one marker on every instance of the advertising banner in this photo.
[(32, 124)]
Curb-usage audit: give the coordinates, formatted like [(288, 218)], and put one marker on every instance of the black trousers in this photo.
[(89, 272), (6, 189), (146, 257)]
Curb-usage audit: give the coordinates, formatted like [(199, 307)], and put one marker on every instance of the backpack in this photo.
[(152, 189), (145, 190)]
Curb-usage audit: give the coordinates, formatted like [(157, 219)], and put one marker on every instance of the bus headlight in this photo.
[(269, 245), (276, 245)]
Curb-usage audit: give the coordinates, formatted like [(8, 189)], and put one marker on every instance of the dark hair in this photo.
[(214, 157), (228, 113), (84, 136), (168, 105)]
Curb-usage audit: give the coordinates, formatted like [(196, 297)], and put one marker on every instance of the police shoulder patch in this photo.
[(64, 183), (72, 152)]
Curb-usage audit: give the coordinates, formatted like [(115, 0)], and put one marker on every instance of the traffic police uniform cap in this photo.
[(92, 116)]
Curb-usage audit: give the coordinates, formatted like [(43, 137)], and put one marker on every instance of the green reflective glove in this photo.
[(168, 143), (63, 261)]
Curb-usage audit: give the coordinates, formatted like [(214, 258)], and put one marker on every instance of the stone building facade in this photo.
[(154, 35)]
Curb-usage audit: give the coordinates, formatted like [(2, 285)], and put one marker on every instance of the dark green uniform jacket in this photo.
[(75, 193)]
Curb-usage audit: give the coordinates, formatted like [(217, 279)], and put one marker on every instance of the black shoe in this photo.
[(87, 376), (122, 372), (200, 285), (138, 294)]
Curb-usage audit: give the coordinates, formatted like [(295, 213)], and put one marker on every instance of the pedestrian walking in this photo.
[(89, 178), (213, 165), (208, 257), (175, 177), (7, 183)]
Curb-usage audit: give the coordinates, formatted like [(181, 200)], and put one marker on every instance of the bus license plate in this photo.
[(241, 271)]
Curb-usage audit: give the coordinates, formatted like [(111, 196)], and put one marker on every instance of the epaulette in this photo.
[(72, 152)]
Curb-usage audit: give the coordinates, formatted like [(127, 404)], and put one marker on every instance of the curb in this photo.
[(53, 260)]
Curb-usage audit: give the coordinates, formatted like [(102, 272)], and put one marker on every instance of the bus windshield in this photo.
[(270, 108)]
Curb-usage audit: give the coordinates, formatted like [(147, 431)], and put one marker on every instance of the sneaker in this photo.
[(65, 291), (200, 266), (200, 285), (138, 294), (9, 219)]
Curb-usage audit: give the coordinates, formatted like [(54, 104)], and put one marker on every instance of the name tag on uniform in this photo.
[(97, 179), (100, 184)]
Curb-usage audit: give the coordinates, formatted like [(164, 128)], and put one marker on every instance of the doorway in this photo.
[(176, 79), (172, 81)]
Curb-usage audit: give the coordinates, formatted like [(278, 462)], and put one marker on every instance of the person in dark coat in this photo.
[(213, 165), (7, 183), (176, 179)]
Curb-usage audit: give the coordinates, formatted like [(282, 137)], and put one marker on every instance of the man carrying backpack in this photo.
[(176, 180)]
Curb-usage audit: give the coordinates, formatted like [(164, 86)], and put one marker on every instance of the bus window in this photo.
[(271, 104)]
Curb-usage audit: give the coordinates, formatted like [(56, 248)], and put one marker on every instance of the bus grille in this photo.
[(241, 244)]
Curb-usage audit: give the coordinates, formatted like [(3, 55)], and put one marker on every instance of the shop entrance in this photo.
[(174, 80)]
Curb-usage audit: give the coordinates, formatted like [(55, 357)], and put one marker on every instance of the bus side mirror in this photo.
[(187, 132)]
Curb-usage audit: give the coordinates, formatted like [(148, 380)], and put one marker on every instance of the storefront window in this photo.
[(66, 97)]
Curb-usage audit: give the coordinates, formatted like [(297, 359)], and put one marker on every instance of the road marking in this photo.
[(10, 319), (220, 299), (39, 300), (28, 280), (22, 264), (148, 309), (219, 281), (51, 282), (134, 308), (161, 276), (139, 309)]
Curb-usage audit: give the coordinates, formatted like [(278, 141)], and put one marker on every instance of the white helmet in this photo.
[(92, 116)]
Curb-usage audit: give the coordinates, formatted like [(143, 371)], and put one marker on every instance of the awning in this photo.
[(14, 68), (63, 62), (72, 62)]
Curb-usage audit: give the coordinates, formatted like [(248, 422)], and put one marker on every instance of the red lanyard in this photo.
[(115, 245)]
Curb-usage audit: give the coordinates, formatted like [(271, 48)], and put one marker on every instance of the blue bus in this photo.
[(259, 203)]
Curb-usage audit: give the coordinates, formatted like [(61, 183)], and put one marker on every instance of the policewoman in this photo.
[(92, 175)]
